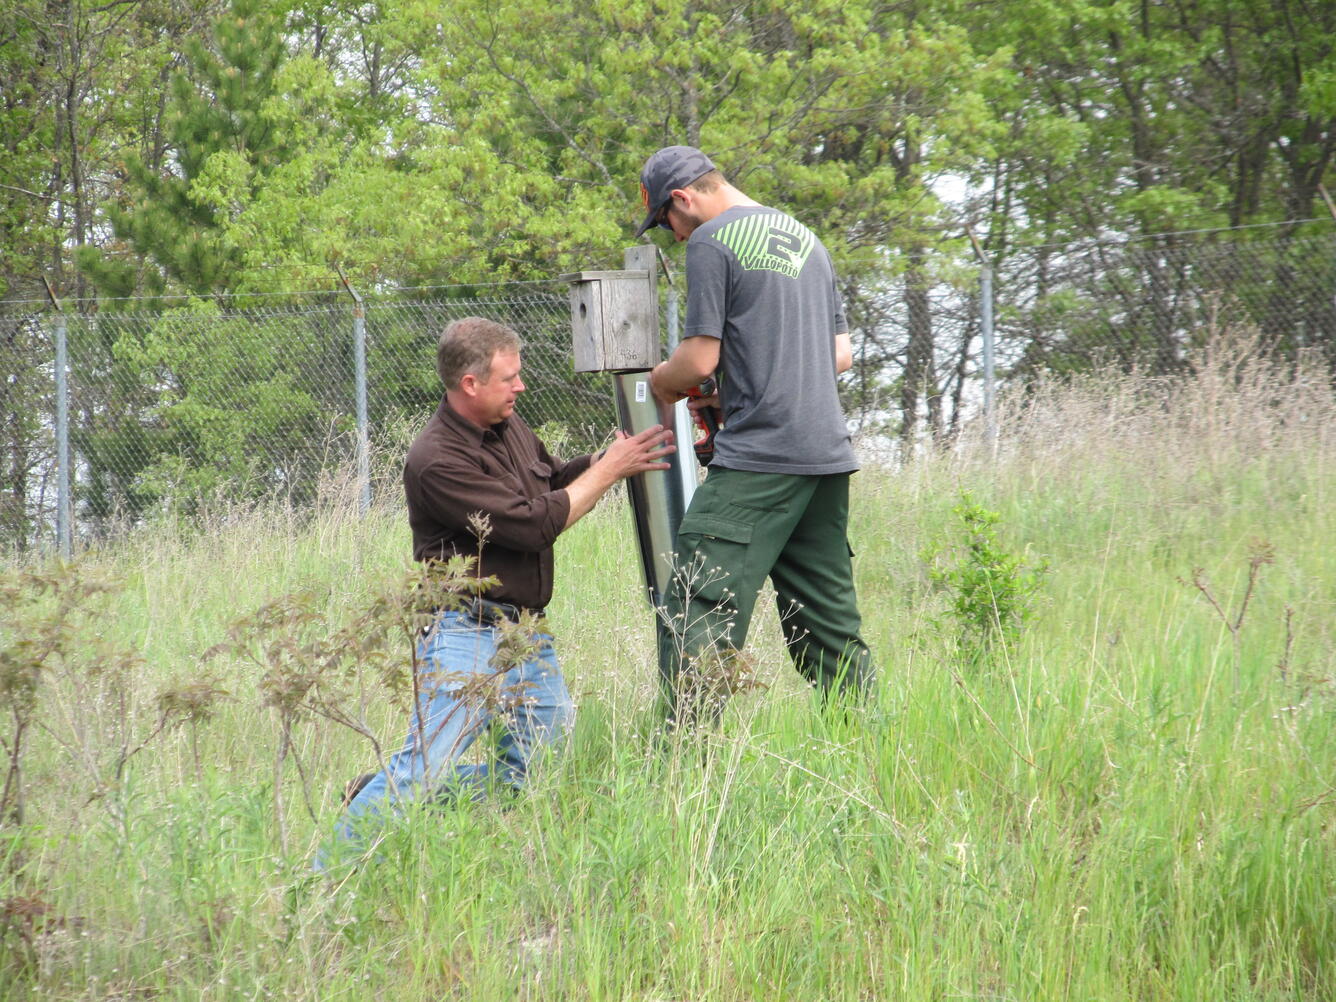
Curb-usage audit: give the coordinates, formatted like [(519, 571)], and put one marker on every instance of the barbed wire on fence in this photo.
[(171, 405)]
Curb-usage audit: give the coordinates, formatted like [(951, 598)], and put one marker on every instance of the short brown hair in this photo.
[(708, 181), (467, 346)]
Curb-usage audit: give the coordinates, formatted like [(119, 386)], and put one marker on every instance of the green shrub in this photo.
[(990, 589)]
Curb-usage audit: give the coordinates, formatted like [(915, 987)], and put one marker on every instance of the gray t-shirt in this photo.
[(763, 283)]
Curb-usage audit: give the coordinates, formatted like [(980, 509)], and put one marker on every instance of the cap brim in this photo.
[(649, 221)]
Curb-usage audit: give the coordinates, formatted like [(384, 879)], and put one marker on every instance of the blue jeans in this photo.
[(460, 694)]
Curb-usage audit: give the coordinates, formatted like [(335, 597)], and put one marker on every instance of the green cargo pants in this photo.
[(740, 528)]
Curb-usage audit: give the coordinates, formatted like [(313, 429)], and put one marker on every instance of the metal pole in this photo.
[(64, 535), (986, 329), (363, 433), (359, 381), (672, 319), (683, 429), (989, 378)]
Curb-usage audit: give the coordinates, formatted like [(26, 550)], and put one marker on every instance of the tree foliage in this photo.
[(239, 148), (218, 149)]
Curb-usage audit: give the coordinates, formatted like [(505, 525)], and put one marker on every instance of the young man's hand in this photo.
[(662, 393), (694, 360)]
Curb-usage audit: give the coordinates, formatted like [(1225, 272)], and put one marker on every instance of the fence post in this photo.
[(672, 318), (986, 331), (64, 535), (989, 377), (359, 380)]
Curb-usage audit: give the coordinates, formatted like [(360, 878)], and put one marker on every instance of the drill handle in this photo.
[(707, 419)]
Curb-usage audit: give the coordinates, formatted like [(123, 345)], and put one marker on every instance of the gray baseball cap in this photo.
[(669, 168)]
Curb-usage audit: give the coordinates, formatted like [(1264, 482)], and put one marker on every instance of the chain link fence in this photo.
[(1151, 303), (188, 404), (924, 342), (179, 405)]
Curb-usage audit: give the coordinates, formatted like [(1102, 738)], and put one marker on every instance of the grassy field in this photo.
[(1134, 800)]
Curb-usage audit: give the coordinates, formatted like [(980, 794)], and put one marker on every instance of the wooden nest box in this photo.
[(615, 315)]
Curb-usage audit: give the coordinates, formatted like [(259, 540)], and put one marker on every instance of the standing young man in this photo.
[(765, 317)]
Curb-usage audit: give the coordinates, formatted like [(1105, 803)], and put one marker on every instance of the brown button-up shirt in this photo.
[(455, 469)]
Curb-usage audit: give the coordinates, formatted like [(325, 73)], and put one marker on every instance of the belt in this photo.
[(488, 613)]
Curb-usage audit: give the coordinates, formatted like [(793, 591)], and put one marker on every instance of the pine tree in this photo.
[(221, 121)]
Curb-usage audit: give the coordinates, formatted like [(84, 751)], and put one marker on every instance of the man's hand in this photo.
[(632, 454), (694, 359), (700, 403), (662, 393), (627, 456)]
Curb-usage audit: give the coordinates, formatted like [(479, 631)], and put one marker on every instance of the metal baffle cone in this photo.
[(658, 498)]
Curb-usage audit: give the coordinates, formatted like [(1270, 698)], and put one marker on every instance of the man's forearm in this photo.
[(695, 359), (673, 376), (585, 490), (627, 456)]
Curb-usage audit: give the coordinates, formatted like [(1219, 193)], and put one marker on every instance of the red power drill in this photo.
[(707, 419)]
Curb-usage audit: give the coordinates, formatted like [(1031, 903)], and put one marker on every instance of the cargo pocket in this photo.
[(712, 555)]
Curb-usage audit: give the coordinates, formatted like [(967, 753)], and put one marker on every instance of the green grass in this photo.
[(1096, 812)]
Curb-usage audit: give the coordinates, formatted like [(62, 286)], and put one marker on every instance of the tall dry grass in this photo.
[(1133, 801)]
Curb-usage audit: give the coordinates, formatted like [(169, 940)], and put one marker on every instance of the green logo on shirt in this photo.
[(766, 242)]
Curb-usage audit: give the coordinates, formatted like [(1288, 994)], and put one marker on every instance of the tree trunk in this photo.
[(920, 375)]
